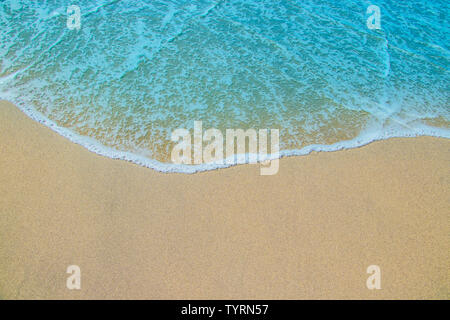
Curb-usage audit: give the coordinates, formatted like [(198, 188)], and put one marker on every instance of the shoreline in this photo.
[(99, 149), (308, 232)]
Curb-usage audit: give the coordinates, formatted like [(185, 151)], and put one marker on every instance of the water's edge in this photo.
[(96, 147)]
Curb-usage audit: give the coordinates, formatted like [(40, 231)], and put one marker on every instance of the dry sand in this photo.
[(310, 231)]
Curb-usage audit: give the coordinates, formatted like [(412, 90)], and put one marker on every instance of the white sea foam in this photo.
[(94, 146)]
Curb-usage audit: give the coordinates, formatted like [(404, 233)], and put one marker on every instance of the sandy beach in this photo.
[(308, 232)]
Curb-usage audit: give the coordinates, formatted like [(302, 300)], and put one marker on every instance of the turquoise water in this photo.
[(138, 70)]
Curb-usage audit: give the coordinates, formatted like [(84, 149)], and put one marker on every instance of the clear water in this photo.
[(139, 69)]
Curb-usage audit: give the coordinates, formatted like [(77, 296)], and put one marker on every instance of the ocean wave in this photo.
[(137, 70)]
